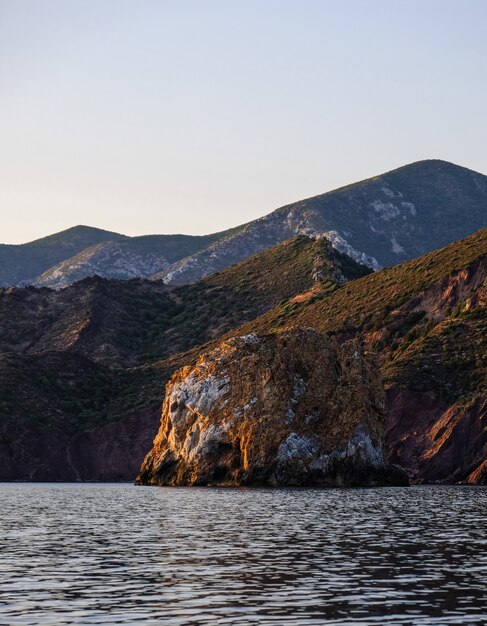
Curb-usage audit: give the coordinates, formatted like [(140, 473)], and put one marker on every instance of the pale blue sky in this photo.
[(162, 116)]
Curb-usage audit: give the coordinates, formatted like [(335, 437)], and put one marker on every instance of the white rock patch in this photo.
[(296, 447), (199, 444), (197, 394), (396, 246), (410, 206), (388, 192), (385, 210), (341, 244)]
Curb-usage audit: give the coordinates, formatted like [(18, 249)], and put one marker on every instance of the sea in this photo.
[(94, 553)]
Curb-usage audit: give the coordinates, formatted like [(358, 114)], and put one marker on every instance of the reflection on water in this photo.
[(118, 554)]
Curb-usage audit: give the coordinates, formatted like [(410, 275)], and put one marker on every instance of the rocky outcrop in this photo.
[(291, 408)]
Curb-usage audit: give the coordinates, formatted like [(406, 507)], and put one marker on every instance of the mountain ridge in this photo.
[(82, 369), (363, 219), (21, 263), (379, 221)]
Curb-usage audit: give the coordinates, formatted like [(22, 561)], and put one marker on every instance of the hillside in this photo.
[(82, 369), (381, 221), (134, 257), (130, 322), (426, 320), (64, 416)]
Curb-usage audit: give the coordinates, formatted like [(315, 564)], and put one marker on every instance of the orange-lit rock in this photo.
[(291, 408)]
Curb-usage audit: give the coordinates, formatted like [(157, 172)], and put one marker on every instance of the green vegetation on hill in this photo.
[(132, 322), (416, 316), (404, 213), (102, 349), (23, 262), (382, 221), (83, 251), (449, 357)]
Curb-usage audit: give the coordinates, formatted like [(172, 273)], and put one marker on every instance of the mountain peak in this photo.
[(78, 233), (381, 221)]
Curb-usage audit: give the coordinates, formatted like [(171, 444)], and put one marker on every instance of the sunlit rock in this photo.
[(291, 408)]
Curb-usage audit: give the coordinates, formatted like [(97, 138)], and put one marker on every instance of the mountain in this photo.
[(132, 257), (23, 263), (82, 369), (381, 221)]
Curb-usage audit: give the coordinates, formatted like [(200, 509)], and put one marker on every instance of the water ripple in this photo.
[(117, 554)]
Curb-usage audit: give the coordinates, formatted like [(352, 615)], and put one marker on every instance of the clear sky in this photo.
[(163, 116)]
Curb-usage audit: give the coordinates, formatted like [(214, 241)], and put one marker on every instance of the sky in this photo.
[(192, 116)]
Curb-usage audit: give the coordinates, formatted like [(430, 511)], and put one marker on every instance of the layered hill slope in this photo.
[(82, 369), (381, 221)]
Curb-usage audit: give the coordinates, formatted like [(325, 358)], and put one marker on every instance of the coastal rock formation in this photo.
[(291, 408), (427, 322)]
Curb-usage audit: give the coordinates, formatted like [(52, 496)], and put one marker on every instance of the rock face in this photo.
[(427, 322), (110, 452), (437, 442), (82, 369), (291, 408)]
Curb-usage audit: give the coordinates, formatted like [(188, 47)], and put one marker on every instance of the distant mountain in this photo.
[(23, 263), (381, 221), (134, 257)]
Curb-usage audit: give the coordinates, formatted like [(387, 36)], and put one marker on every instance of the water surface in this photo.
[(118, 554)]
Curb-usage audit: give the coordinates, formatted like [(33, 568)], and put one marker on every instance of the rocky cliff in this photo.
[(427, 322), (78, 365), (291, 408)]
